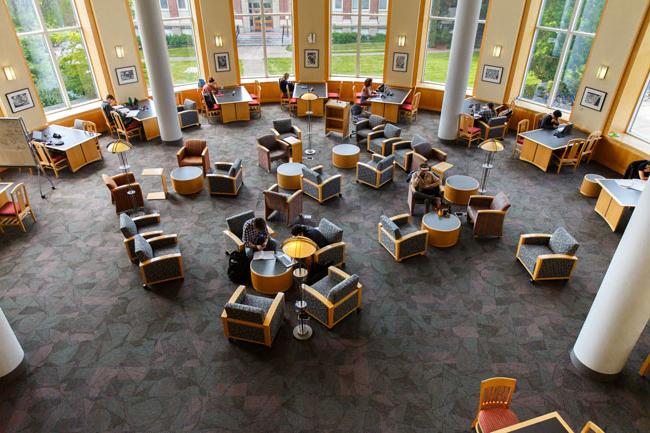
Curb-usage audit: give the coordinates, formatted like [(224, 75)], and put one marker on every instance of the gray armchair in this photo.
[(333, 254), (233, 234), (425, 153), (283, 128), (270, 149), (188, 115), (287, 205), (403, 151), (160, 259), (401, 238), (334, 297), (318, 185), (226, 178), (148, 226), (381, 141), (548, 257), (496, 127), (376, 172), (364, 127), (252, 318), (487, 213)]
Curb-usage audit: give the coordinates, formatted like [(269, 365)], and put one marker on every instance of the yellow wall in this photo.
[(12, 55), (526, 34), (502, 28), (311, 16), (217, 19), (404, 20)]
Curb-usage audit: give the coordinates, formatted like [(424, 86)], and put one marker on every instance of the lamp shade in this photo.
[(299, 247), (118, 146), (309, 96), (11, 354), (491, 146)]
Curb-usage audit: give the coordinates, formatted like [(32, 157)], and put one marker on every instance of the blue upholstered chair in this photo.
[(334, 253), (252, 318), (332, 298), (548, 257), (496, 127), (363, 127), (318, 185), (147, 226), (376, 172), (283, 128), (381, 141), (401, 238), (403, 151), (188, 114), (160, 259), (226, 178), (233, 234)]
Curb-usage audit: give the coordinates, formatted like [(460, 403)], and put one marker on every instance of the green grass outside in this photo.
[(435, 68), (179, 74), (366, 47)]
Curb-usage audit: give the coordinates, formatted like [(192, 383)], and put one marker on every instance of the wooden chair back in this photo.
[(20, 199), (258, 91), (416, 102), (496, 393), (537, 120), (590, 145), (522, 126), (573, 149), (466, 121), (117, 121), (42, 153), (354, 92), (340, 89), (590, 427), (89, 126)]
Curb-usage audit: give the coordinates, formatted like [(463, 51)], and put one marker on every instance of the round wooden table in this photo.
[(270, 276), (345, 155), (459, 188), (187, 180), (590, 187), (289, 175), (443, 231)]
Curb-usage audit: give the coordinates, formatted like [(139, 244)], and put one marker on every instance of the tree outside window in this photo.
[(640, 123)]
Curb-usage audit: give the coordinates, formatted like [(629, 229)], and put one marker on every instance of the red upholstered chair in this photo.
[(337, 94), (494, 405), (410, 110), (522, 127), (15, 211), (467, 131), (194, 153)]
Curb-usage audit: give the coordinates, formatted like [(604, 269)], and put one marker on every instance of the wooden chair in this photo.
[(537, 119), (285, 101), (645, 367), (15, 211), (255, 106), (494, 405), (467, 130), (88, 126), (122, 130), (571, 155), (522, 127), (255, 94), (590, 146), (55, 163), (411, 110), (109, 124), (337, 94), (590, 427), (356, 97)]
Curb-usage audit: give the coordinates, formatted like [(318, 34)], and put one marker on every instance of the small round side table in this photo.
[(289, 175), (345, 155), (459, 188), (590, 186)]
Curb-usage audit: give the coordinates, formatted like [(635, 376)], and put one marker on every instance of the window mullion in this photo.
[(263, 17), (565, 53)]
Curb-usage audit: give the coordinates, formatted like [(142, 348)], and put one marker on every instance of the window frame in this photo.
[(629, 130)]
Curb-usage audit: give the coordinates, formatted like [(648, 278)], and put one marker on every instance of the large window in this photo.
[(264, 37), (565, 31), (179, 32), (442, 17), (53, 45), (640, 123), (358, 38)]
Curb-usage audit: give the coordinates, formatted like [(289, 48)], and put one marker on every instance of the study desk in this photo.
[(540, 144), (80, 147), (549, 423), (387, 104), (318, 105), (148, 118), (613, 200), (470, 107), (234, 104)]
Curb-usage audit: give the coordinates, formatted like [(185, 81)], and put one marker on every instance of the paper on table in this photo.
[(638, 184), (263, 255)]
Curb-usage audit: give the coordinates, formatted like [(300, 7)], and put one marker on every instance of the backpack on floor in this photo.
[(238, 267)]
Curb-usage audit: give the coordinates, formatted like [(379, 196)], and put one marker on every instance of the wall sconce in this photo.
[(311, 38), (119, 51), (602, 72), (401, 40), (496, 50), (218, 41), (10, 74)]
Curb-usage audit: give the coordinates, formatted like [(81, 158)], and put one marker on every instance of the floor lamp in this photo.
[(120, 147), (309, 97), (490, 147), (299, 248)]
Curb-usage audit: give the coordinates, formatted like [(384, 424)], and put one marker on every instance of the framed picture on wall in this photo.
[(492, 74), (126, 75), (400, 62), (592, 98), (20, 100), (311, 58), (222, 62)]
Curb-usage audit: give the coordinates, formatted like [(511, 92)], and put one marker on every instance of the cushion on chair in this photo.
[(375, 120), (258, 301), (330, 231), (562, 242), (283, 126), (195, 147), (143, 250), (246, 313), (57, 158), (8, 209), (192, 160), (279, 153), (342, 289), (528, 254), (418, 139), (385, 163), (332, 95), (254, 103), (312, 175), (234, 169), (392, 131), (494, 419), (188, 104), (500, 202), (423, 148), (127, 226), (236, 222), (473, 129), (390, 227), (109, 182), (407, 107)]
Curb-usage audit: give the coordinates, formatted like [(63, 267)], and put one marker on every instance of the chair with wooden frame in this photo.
[(212, 109), (194, 153), (570, 155), (255, 106), (15, 211), (119, 185), (522, 127), (645, 367), (88, 126), (270, 149), (317, 185), (548, 256), (537, 120), (122, 130), (401, 238), (252, 318), (590, 146), (233, 234), (148, 226), (55, 163), (356, 96), (109, 123), (376, 172), (160, 259), (254, 95), (287, 205), (591, 427), (411, 110), (467, 131), (334, 297), (487, 213), (494, 405), (227, 178), (337, 94), (332, 254)]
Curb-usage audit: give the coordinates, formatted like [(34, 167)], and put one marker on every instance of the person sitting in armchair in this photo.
[(256, 236), (426, 186)]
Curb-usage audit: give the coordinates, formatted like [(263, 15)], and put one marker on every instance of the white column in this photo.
[(621, 308), (11, 354), (154, 45), (460, 59)]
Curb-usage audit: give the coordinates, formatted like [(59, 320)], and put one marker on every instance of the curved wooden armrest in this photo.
[(234, 238), (236, 295), (322, 299), (318, 169), (134, 185), (150, 235), (272, 232), (369, 167), (479, 196), (204, 151), (374, 134), (163, 238), (331, 179), (524, 238), (390, 167), (275, 132), (377, 158), (556, 256), (327, 248), (401, 144), (274, 188), (297, 131), (146, 218), (279, 299), (378, 127), (222, 165), (172, 256), (334, 270), (491, 211), (181, 152), (400, 217), (260, 147), (392, 140), (412, 235), (293, 196)]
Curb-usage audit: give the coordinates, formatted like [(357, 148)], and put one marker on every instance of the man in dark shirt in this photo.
[(107, 107), (286, 86), (311, 233), (255, 236), (551, 120), (488, 113)]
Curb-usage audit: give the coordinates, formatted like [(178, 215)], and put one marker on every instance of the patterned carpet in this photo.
[(104, 355)]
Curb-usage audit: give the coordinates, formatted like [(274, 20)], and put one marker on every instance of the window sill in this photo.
[(263, 80), (58, 115), (632, 142), (538, 108)]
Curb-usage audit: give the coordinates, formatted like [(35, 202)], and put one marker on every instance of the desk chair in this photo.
[(590, 146), (109, 123), (255, 84), (255, 106), (131, 131), (571, 155), (88, 126), (55, 162), (590, 427), (15, 211), (522, 127), (356, 96), (410, 110), (467, 131), (537, 120), (212, 109), (494, 405), (337, 94)]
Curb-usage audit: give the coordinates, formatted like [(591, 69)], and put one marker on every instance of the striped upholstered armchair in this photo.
[(147, 226), (160, 259), (376, 172), (401, 238), (252, 318), (334, 297), (226, 178), (334, 252), (318, 185), (548, 257), (381, 141)]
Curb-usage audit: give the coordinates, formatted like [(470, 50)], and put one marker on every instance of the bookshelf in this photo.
[(337, 117)]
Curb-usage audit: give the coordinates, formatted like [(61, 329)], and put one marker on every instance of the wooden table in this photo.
[(549, 423), (613, 200), (187, 180), (459, 188), (234, 104), (80, 147), (160, 172), (444, 231), (590, 186), (289, 175), (296, 148), (540, 144), (317, 106), (270, 276), (441, 167), (345, 155), (148, 118), (387, 104)]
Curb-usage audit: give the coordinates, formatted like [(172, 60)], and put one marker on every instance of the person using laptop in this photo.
[(255, 236), (488, 112), (210, 88), (108, 106), (551, 120), (367, 92)]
